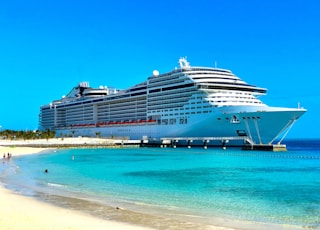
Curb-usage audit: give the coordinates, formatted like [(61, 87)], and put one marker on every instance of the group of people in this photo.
[(8, 156)]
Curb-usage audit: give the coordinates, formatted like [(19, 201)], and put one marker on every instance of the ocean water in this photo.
[(178, 188)]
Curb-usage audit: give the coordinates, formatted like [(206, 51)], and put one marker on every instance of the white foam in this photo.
[(56, 185)]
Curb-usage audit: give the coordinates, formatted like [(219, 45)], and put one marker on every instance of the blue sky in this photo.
[(47, 47)]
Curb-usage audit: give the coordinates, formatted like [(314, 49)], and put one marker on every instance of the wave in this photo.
[(56, 185)]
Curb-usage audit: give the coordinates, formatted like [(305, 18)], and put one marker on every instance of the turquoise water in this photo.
[(267, 187)]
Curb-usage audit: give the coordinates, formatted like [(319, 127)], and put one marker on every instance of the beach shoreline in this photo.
[(22, 212), (69, 142)]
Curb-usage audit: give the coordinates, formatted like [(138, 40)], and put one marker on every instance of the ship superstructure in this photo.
[(186, 102)]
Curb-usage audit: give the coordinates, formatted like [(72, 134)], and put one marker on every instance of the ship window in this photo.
[(241, 133), (173, 121), (183, 121)]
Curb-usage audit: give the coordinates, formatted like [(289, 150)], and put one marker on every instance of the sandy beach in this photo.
[(20, 212)]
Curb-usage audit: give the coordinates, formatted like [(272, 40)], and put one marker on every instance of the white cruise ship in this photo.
[(188, 102)]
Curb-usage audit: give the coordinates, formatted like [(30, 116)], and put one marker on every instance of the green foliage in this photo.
[(26, 135)]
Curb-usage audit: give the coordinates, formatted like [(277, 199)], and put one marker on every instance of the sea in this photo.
[(178, 188)]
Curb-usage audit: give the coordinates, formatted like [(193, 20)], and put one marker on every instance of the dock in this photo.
[(243, 142), (266, 147)]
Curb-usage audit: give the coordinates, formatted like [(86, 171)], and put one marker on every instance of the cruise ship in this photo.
[(188, 102)]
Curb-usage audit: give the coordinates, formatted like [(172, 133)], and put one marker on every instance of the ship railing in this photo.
[(110, 123)]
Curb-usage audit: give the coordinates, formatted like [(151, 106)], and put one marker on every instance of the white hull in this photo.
[(260, 127)]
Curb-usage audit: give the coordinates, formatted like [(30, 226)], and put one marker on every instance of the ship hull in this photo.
[(259, 125)]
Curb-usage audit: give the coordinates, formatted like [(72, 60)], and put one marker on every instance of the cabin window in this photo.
[(165, 121), (172, 121)]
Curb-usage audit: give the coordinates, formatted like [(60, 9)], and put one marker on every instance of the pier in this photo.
[(243, 142), (266, 147)]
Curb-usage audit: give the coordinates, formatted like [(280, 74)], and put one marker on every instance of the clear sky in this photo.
[(48, 47)]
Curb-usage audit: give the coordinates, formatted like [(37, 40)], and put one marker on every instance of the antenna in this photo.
[(215, 64)]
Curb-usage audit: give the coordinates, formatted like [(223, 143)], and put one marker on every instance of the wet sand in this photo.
[(21, 212)]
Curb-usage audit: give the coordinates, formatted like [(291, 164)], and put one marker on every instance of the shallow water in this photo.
[(184, 185)]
